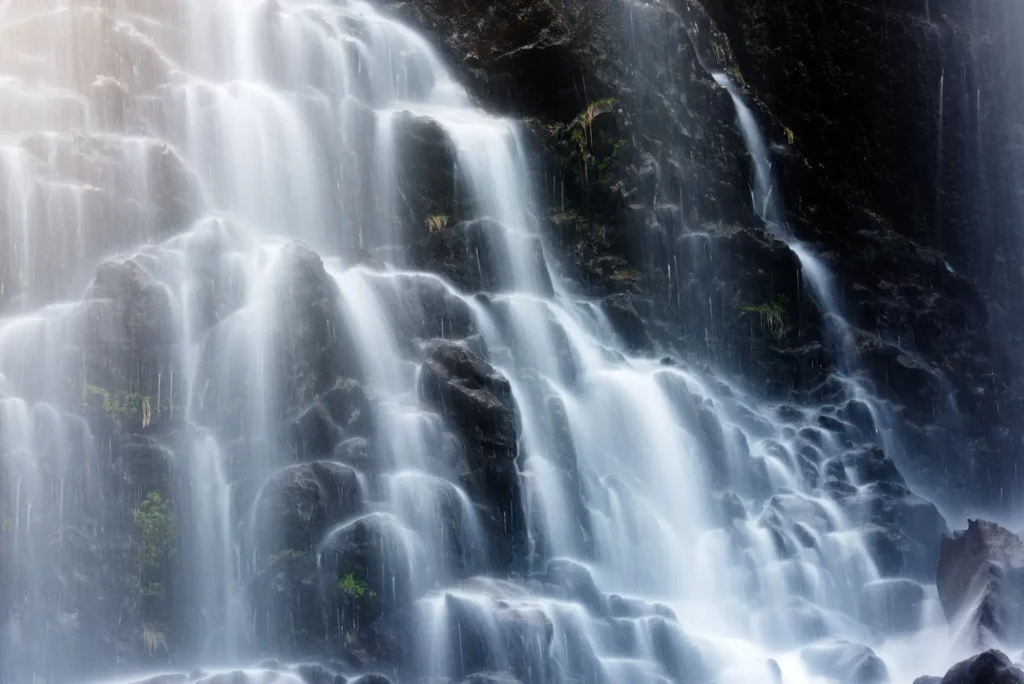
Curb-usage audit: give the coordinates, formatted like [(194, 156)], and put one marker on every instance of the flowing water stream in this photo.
[(672, 527)]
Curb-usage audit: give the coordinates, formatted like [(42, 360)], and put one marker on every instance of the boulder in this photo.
[(370, 558), (845, 662), (478, 403), (902, 530), (299, 503), (990, 667), (127, 335), (981, 582), (426, 179)]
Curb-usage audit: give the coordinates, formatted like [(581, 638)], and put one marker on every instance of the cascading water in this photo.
[(304, 445)]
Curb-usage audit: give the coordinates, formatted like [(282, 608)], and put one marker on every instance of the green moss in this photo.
[(354, 588), (737, 76), (156, 530), (606, 165), (286, 555)]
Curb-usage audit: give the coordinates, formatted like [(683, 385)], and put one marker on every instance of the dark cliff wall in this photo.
[(894, 134)]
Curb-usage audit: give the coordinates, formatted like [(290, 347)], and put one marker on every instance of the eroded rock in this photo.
[(981, 581)]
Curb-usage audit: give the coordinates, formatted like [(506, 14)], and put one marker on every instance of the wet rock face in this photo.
[(300, 502), (646, 166), (471, 256), (478, 402), (523, 55), (127, 331), (981, 579), (310, 353)]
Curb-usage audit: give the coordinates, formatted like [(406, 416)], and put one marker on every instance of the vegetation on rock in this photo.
[(354, 588)]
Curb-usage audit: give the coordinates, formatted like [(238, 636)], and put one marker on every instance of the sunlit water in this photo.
[(677, 529)]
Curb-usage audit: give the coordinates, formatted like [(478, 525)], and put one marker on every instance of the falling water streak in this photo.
[(940, 160)]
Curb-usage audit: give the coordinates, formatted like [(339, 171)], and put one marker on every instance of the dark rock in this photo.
[(426, 176), (475, 255), (624, 319), (903, 530), (982, 569), (846, 663), (478, 402), (299, 503), (990, 667), (308, 353), (369, 557), (128, 336), (524, 56), (421, 307)]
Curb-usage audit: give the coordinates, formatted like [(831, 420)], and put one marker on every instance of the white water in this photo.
[(195, 145)]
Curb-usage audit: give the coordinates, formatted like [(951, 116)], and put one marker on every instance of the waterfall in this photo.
[(221, 345)]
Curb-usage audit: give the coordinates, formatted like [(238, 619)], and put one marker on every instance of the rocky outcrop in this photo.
[(981, 583), (309, 353), (651, 190), (990, 667), (478, 402)]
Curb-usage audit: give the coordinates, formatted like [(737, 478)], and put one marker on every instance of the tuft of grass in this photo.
[(437, 223), (154, 639), (772, 315)]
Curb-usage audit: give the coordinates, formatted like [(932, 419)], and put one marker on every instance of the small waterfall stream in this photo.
[(232, 197)]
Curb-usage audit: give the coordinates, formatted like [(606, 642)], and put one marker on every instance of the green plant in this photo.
[(437, 223), (354, 588), (604, 169), (586, 118), (772, 315), (125, 405), (156, 532)]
